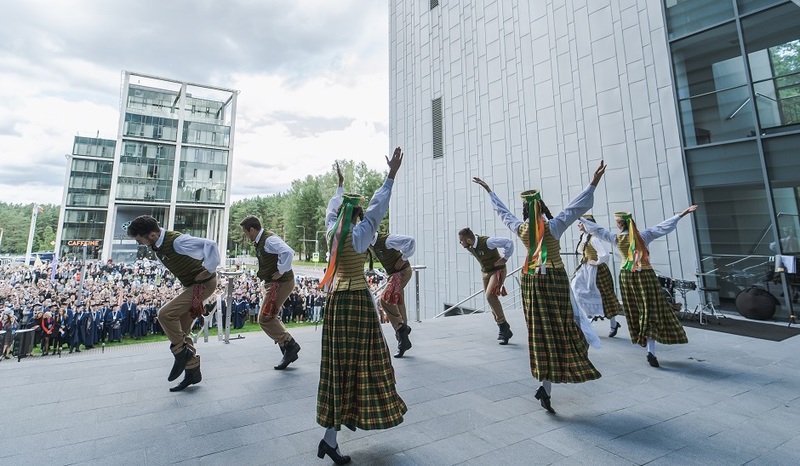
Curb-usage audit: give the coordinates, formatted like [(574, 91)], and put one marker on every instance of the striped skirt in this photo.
[(647, 311), (605, 283), (356, 377), (558, 350)]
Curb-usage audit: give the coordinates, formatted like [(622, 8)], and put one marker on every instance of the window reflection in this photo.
[(686, 16), (711, 84), (734, 224), (772, 40)]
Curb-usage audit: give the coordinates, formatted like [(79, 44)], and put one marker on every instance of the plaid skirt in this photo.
[(558, 350), (647, 311), (605, 283), (356, 377)]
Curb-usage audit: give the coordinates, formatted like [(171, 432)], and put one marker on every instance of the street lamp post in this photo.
[(316, 243), (304, 238)]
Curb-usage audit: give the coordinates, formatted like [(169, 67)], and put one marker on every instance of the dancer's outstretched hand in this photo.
[(479, 181), (598, 174), (395, 162), (339, 172), (689, 210)]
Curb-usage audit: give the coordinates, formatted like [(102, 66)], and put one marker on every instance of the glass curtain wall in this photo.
[(145, 172), (736, 65), (203, 176)]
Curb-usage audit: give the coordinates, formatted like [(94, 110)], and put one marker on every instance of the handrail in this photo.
[(471, 296)]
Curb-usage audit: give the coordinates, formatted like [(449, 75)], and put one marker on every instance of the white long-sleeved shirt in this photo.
[(558, 224), (196, 248), (405, 244), (364, 231), (275, 245), (648, 235)]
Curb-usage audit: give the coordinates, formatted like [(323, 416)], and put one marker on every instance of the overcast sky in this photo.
[(313, 77)]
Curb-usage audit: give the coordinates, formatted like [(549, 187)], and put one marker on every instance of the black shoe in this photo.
[(192, 377), (505, 333), (290, 350), (325, 449), (181, 358), (403, 343), (613, 331), (77, 350), (651, 358), (544, 399)]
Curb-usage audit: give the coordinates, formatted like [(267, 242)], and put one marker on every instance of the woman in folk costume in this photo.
[(356, 377), (592, 285), (650, 317), (559, 351)]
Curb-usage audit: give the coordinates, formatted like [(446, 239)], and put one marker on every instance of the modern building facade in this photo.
[(692, 101), (84, 205), (172, 160)]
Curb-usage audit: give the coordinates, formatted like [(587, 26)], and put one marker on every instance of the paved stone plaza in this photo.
[(721, 399)]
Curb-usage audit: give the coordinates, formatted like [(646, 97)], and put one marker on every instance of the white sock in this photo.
[(613, 321), (651, 346), (548, 386), (330, 438)]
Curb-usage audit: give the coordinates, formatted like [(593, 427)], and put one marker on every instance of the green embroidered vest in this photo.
[(184, 268), (268, 263), (486, 256), (387, 256)]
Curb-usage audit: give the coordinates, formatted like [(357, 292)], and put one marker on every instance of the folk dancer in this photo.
[(357, 381), (650, 317), (558, 348), (275, 271), (592, 284), (493, 270), (193, 261)]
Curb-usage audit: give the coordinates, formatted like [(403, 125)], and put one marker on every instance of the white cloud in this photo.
[(312, 75)]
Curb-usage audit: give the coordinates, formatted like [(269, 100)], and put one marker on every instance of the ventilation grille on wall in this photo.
[(434, 4), (438, 138)]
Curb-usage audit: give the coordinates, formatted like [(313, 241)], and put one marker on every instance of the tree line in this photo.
[(297, 215)]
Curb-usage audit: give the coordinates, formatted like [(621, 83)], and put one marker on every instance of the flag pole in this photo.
[(31, 234)]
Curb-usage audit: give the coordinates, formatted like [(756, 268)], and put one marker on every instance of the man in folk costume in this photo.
[(357, 382), (393, 252), (493, 270), (650, 317), (557, 343), (592, 285), (193, 261), (275, 270)]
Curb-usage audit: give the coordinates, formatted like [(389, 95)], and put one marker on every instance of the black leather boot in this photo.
[(403, 342), (544, 399), (181, 358), (290, 350), (505, 333), (192, 377)]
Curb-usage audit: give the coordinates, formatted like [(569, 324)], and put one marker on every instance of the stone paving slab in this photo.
[(721, 399)]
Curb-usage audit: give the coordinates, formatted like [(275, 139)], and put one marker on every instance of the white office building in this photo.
[(687, 102)]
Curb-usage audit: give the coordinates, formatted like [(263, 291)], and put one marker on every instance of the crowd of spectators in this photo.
[(70, 312)]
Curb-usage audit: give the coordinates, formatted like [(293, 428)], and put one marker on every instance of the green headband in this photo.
[(531, 195)]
